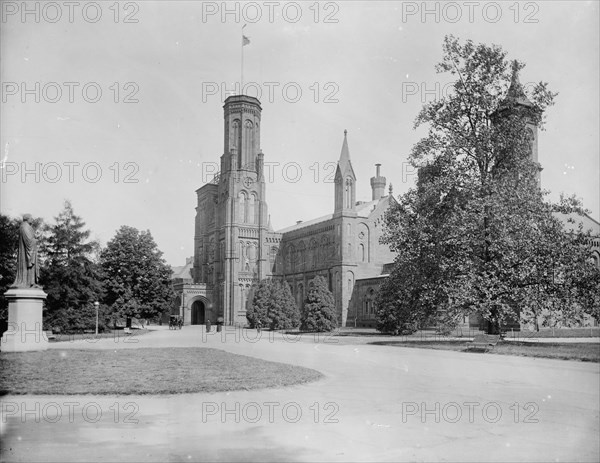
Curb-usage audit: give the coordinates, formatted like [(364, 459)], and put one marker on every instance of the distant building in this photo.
[(235, 245)]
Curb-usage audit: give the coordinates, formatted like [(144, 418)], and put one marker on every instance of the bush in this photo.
[(319, 308), (273, 306)]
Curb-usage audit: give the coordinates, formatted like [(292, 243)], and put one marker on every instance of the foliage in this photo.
[(273, 306), (138, 280), (69, 275), (318, 314), (9, 235), (475, 235)]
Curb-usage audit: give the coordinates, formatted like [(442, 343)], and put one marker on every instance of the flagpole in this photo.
[(242, 69), (242, 72)]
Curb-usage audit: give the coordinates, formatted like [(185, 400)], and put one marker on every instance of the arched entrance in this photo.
[(198, 313)]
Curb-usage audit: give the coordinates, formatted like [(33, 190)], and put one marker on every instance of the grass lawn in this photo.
[(592, 332), (586, 352), (142, 371), (116, 334)]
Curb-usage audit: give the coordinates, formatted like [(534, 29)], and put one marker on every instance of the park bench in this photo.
[(127, 330), (49, 335), (483, 341)]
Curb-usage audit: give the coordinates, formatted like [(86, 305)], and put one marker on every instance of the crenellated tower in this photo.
[(230, 238)]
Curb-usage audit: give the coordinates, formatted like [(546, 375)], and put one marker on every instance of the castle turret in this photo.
[(377, 184), (242, 129), (516, 102)]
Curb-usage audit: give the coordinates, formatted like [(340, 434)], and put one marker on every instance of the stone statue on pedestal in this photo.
[(25, 298), (27, 256)]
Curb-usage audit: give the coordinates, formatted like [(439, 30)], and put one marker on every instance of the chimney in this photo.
[(377, 184)]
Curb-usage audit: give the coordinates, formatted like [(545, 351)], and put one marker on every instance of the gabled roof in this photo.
[(307, 223), (183, 271), (367, 209)]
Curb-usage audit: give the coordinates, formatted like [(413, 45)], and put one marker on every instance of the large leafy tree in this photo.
[(70, 273), (475, 235), (273, 306), (138, 280), (318, 314)]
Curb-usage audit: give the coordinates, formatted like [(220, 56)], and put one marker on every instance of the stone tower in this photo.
[(232, 217), (517, 102)]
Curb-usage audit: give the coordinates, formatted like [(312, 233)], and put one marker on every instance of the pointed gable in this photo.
[(344, 167)]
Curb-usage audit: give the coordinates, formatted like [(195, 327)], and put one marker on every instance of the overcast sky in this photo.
[(135, 154)]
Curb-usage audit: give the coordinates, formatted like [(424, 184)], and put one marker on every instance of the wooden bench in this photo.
[(483, 341), (49, 335)]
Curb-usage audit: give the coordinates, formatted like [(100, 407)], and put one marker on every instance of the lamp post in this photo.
[(96, 304)]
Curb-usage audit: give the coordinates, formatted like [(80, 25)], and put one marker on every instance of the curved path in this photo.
[(376, 403)]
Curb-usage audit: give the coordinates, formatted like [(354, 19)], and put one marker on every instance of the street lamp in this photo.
[(96, 304)]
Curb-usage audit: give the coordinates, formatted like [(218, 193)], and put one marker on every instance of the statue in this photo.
[(25, 297), (27, 256)]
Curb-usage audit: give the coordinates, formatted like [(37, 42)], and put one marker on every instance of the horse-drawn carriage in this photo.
[(175, 322)]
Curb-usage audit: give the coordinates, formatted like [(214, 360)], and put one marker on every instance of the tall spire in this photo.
[(344, 163), (345, 180), (515, 91)]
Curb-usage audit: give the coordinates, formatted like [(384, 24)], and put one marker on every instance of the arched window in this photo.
[(234, 140), (301, 256), (248, 142), (370, 298), (596, 259), (530, 139), (274, 259), (242, 206), (361, 252), (252, 255), (312, 254), (256, 208), (348, 191), (250, 215)]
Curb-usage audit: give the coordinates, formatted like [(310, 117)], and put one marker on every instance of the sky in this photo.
[(117, 106)]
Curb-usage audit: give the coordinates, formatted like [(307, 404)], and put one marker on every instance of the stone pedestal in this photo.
[(24, 331)]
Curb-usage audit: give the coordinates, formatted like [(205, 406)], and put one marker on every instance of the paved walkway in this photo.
[(376, 403)]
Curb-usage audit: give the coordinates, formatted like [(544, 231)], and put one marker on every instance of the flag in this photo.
[(245, 40)]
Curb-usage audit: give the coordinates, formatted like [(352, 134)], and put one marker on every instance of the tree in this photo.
[(475, 235), (258, 310), (273, 305), (69, 274), (319, 307), (9, 234), (138, 280), (285, 313)]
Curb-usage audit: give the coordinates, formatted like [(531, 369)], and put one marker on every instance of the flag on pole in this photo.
[(245, 41)]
